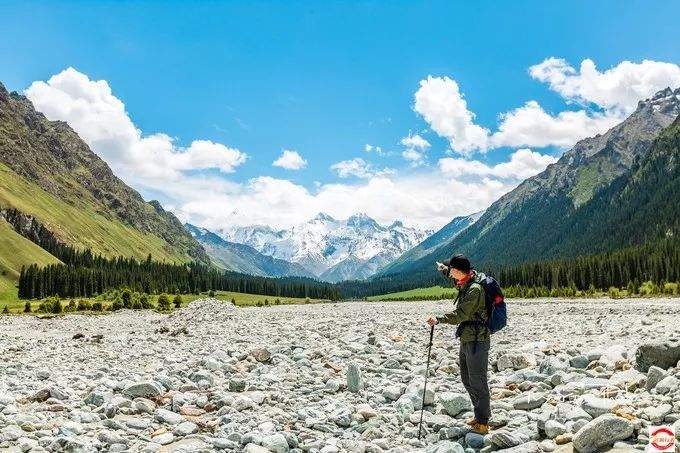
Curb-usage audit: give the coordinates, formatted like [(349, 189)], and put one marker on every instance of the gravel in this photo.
[(335, 377)]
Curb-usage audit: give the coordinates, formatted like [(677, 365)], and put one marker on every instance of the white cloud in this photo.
[(523, 164), (415, 157), (617, 90), (290, 160), (440, 102), (372, 148), (100, 119), (368, 148), (415, 142), (416, 199), (614, 92), (530, 125), (353, 167)]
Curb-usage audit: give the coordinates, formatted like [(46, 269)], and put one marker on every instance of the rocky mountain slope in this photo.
[(440, 238), (243, 258), (48, 173), (332, 249), (545, 216)]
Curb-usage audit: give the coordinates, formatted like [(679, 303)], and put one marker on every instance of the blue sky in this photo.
[(326, 78)]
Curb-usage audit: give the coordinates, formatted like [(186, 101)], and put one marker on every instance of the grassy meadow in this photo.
[(431, 293)]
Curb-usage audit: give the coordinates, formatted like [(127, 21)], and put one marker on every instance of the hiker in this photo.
[(471, 317)]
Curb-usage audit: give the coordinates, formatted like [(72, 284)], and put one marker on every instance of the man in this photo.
[(471, 317)]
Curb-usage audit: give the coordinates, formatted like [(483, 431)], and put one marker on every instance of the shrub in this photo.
[(5, 311), (137, 305), (266, 301), (97, 306), (27, 307), (307, 300), (614, 292), (211, 293), (84, 305), (648, 288), (117, 304), (144, 300), (670, 288), (56, 306), (127, 298), (259, 303), (233, 301), (163, 303), (277, 301), (177, 301)]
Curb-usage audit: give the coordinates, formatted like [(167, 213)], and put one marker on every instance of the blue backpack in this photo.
[(496, 311)]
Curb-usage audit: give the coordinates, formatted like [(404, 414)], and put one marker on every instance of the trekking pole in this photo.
[(427, 372)]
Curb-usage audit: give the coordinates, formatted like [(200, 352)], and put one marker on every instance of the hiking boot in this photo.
[(471, 421), (479, 428)]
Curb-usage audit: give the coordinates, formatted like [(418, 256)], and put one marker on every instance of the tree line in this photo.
[(655, 261), (84, 274)]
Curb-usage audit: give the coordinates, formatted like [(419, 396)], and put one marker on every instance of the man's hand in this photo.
[(432, 321)]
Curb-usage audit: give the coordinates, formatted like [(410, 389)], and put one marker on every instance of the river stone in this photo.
[(654, 376), (664, 353), (601, 432), (169, 417), (446, 447), (455, 403), (515, 361), (144, 389), (553, 428), (529, 401), (596, 406), (276, 443), (667, 384), (474, 440), (354, 380), (505, 438), (262, 355)]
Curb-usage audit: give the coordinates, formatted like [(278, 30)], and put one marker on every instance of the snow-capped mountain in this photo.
[(332, 249)]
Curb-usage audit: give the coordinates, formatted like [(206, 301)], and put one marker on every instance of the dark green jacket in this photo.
[(470, 306)]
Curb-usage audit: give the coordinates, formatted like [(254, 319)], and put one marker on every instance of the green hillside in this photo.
[(430, 293), (78, 221)]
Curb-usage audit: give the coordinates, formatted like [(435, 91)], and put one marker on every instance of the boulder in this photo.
[(654, 376), (667, 384), (664, 353), (596, 406), (529, 401), (515, 361), (601, 432), (354, 379)]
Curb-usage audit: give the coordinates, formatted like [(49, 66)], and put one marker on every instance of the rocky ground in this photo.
[(336, 377)]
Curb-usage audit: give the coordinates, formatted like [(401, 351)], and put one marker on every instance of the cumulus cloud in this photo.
[(415, 157), (440, 102), (100, 119), (523, 164), (616, 90), (416, 199), (415, 142), (290, 160), (356, 167), (530, 125), (608, 96)]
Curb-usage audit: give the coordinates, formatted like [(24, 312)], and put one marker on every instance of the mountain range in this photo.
[(330, 249), (609, 191)]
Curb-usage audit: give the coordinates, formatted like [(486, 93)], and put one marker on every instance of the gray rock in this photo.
[(354, 379), (505, 438), (667, 384), (664, 353), (553, 428), (579, 361), (185, 428), (144, 389), (515, 361), (276, 443), (654, 376), (262, 355), (169, 417), (601, 432), (474, 440), (529, 401), (455, 403), (446, 447), (551, 365), (596, 406)]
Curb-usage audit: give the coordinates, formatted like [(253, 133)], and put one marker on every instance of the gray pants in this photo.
[(474, 362)]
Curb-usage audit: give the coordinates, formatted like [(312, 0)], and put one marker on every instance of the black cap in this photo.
[(459, 262)]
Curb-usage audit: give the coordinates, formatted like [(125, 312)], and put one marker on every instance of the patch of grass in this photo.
[(16, 251), (241, 299), (431, 293)]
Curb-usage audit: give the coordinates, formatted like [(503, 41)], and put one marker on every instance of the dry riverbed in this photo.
[(336, 377)]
